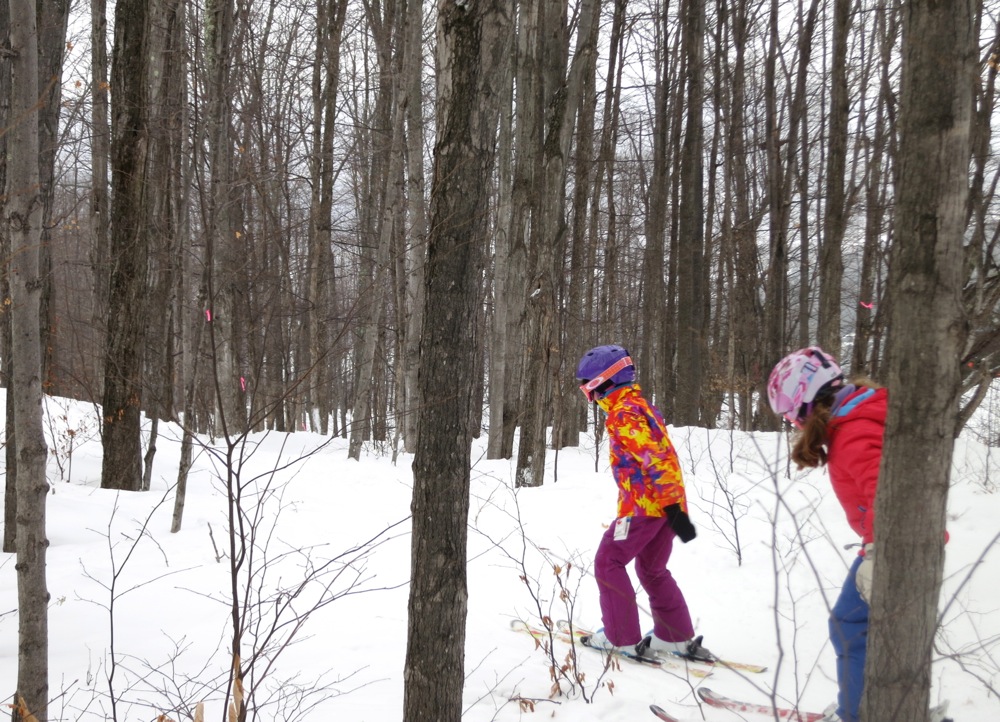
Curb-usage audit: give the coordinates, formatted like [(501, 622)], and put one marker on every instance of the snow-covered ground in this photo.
[(768, 562)]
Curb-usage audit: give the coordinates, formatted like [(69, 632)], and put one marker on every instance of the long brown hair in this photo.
[(809, 446)]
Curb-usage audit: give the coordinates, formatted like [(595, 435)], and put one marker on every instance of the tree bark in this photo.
[(928, 330), (876, 191), (501, 381), (222, 226), (416, 251), (470, 48), (654, 254), (330, 27), (124, 352), (384, 194), (100, 151), (559, 98), (831, 262), (776, 293), (692, 328), (24, 215), (10, 437)]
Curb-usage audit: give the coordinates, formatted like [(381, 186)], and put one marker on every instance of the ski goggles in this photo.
[(589, 388)]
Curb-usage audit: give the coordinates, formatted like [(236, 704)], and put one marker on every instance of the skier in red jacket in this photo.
[(840, 425)]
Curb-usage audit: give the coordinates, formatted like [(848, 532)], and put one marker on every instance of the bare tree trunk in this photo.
[(23, 215), (100, 151), (53, 17), (776, 293), (692, 329), (981, 356), (939, 69), (500, 353), (654, 254), (222, 225), (330, 27), (559, 98), (10, 437), (746, 313), (384, 193), (187, 441), (667, 400), (573, 331), (520, 214), (799, 142), (471, 45), (875, 201), (831, 262), (166, 67), (416, 252), (123, 366)]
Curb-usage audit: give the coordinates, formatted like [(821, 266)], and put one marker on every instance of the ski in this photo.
[(562, 632), (567, 630), (784, 713), (538, 633), (718, 662), (727, 663), (662, 714)]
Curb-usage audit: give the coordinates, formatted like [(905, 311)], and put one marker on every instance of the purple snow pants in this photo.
[(648, 541)]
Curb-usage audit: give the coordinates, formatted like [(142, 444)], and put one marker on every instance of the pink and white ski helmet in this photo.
[(798, 378)]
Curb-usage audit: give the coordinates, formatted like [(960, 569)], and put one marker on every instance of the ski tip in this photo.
[(662, 713)]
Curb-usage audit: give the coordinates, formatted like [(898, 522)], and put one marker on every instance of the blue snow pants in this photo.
[(849, 636)]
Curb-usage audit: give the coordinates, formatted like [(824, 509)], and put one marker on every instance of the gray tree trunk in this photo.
[(124, 349), (220, 41), (100, 151), (416, 251), (831, 262), (776, 289), (500, 381), (928, 332), (330, 26), (471, 45), (745, 303), (573, 330), (10, 437), (383, 196), (800, 143), (559, 97), (23, 215), (692, 328), (876, 191), (658, 192)]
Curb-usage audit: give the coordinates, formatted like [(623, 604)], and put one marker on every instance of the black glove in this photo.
[(680, 523)]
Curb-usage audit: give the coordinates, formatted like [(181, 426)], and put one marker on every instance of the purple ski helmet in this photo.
[(603, 365)]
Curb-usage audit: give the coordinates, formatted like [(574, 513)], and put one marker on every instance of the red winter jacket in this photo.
[(854, 452)]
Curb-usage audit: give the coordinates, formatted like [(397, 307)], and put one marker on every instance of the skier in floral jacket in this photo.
[(652, 511)]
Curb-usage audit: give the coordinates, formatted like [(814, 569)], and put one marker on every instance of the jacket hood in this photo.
[(859, 402)]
